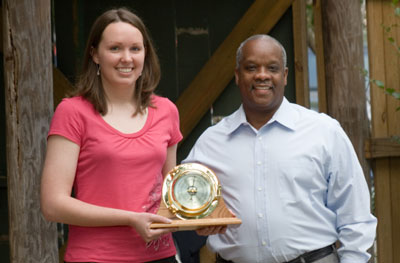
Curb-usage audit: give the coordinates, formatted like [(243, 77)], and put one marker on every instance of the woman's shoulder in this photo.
[(77, 102), (159, 101)]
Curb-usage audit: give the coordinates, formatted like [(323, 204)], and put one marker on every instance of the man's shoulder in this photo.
[(312, 116)]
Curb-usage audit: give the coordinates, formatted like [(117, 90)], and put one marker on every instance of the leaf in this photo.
[(379, 83), (396, 138), (364, 71), (389, 91), (398, 109), (396, 95), (397, 11), (391, 39)]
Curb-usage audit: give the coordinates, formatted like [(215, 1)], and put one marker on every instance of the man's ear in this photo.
[(286, 73), (237, 77), (93, 53)]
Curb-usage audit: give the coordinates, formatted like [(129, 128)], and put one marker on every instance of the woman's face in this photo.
[(120, 54)]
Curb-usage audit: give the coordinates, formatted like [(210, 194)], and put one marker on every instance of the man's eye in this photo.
[(251, 68), (273, 68)]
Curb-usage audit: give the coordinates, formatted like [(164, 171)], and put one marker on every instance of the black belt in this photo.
[(313, 255), (305, 258)]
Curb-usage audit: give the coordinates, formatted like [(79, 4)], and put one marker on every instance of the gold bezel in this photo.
[(179, 173)]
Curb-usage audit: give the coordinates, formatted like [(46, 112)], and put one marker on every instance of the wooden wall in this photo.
[(384, 65)]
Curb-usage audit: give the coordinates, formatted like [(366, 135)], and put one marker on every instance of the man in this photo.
[(291, 174)]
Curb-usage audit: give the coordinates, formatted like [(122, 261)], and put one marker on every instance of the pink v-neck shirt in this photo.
[(117, 170)]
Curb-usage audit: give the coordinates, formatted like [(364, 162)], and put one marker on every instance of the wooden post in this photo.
[(345, 86), (384, 65), (300, 53), (319, 52), (29, 107), (344, 61)]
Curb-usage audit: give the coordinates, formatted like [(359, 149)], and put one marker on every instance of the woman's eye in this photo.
[(136, 48), (114, 48)]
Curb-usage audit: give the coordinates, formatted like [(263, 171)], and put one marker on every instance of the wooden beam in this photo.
[(29, 107), (382, 147), (300, 53), (209, 83), (62, 86), (380, 129), (319, 53), (392, 80)]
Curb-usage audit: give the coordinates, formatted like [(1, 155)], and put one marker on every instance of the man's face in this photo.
[(261, 77)]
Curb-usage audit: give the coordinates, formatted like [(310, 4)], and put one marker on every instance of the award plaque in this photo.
[(191, 197)]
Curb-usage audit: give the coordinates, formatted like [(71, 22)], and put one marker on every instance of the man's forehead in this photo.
[(266, 50)]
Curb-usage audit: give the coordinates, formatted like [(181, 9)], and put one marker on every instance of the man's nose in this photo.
[(263, 74)]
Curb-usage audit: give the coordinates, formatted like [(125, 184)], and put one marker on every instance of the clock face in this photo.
[(191, 191)]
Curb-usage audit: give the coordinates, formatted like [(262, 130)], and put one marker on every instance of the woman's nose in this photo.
[(126, 56)]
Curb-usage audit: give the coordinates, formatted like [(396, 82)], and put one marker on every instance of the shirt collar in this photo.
[(285, 115)]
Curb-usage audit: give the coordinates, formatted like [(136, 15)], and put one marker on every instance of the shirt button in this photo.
[(260, 215), (259, 188), (264, 243), (259, 163), (259, 138)]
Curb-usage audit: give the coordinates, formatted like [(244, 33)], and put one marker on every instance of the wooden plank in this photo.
[(300, 53), (319, 53), (392, 61), (394, 128), (395, 196), (221, 216), (392, 80), (208, 84), (29, 107), (377, 68), (382, 147)]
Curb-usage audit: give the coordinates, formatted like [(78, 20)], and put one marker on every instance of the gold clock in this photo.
[(191, 191)]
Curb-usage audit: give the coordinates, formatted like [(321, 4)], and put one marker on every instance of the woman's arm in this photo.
[(58, 205), (170, 161)]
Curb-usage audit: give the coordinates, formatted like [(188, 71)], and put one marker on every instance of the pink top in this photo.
[(120, 171)]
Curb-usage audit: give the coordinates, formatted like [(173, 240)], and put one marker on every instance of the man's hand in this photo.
[(211, 230)]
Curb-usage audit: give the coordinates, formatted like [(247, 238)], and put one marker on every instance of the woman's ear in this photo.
[(93, 53)]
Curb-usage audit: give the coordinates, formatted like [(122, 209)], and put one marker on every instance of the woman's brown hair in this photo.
[(89, 83)]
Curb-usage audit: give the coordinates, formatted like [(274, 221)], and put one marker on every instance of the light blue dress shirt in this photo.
[(295, 183)]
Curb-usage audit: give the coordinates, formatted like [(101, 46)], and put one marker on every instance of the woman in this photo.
[(112, 142)]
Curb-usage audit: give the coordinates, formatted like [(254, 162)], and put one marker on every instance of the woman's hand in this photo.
[(142, 224)]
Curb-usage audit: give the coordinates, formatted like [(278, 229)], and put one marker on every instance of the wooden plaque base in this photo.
[(221, 216)]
